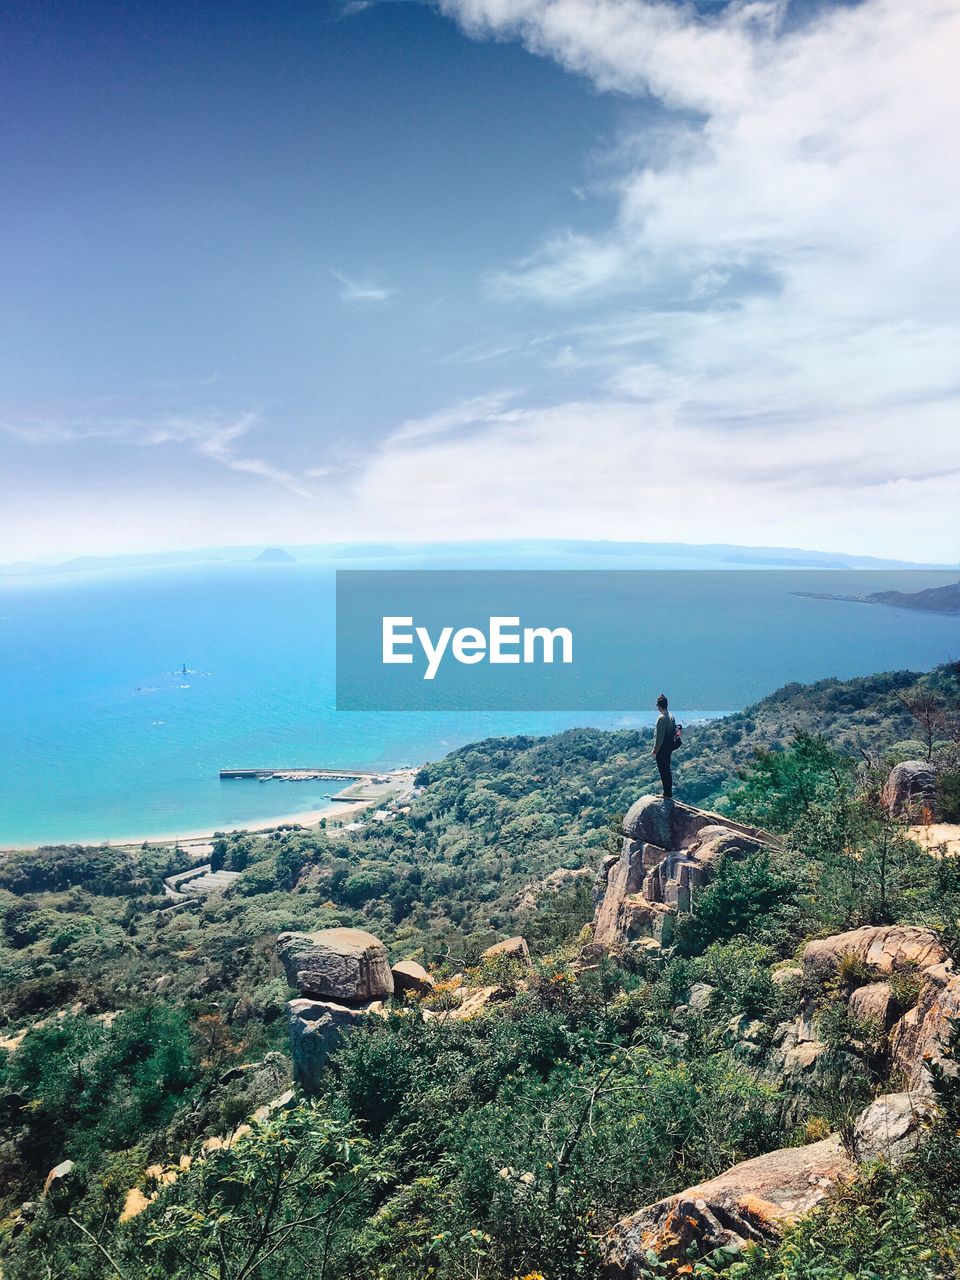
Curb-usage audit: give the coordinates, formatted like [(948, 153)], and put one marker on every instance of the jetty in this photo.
[(302, 775), (362, 785)]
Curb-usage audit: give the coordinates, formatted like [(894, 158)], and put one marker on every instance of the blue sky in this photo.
[(593, 268)]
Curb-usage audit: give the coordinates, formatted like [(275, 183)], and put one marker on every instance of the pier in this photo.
[(370, 785), (303, 775)]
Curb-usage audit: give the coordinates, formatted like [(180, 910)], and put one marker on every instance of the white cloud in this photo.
[(464, 414), (212, 437), (781, 276), (361, 290), (759, 347), (623, 469)]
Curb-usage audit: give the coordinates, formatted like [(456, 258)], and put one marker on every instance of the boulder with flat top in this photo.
[(514, 948), (345, 965), (410, 977)]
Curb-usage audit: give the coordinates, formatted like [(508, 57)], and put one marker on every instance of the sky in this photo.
[(292, 272)]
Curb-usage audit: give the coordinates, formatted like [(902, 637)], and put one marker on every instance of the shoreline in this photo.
[(341, 807), (255, 826)]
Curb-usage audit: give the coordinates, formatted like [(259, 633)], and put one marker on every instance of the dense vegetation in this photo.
[(505, 1145)]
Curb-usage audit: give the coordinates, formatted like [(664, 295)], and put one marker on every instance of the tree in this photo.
[(218, 855), (282, 1201), (929, 713), (783, 787)]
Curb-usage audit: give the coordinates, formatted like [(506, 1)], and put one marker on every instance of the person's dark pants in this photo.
[(666, 773)]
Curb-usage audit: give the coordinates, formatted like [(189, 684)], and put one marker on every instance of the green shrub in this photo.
[(740, 899), (948, 795)]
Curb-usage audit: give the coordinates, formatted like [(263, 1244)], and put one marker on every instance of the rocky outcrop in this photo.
[(884, 948), (670, 851), (315, 1028), (410, 977), (348, 965), (514, 948), (890, 1127), (898, 985), (751, 1201), (911, 790), (899, 993)]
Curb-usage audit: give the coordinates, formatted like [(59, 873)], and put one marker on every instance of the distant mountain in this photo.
[(523, 553), (274, 555), (945, 599), (932, 600)]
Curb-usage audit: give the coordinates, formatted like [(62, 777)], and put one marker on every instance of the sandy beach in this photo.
[(344, 807), (336, 815)]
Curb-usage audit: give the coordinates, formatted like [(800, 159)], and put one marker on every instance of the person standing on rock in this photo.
[(663, 745)]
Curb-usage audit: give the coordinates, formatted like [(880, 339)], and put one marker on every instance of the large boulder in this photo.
[(884, 948), (890, 1128), (344, 965), (911, 790), (752, 1201), (673, 825), (513, 948), (670, 851), (408, 976), (316, 1027)]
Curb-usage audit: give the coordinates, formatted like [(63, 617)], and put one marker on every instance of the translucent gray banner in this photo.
[(585, 640)]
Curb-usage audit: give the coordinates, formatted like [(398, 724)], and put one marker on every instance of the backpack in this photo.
[(677, 738)]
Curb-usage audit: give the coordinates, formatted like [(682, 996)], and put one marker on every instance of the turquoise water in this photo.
[(103, 737)]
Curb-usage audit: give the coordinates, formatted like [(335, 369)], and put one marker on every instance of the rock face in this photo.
[(412, 977), (911, 789), (751, 1201), (755, 1200), (670, 850), (919, 1038), (889, 1128), (315, 1029), (348, 965), (886, 948), (515, 948)]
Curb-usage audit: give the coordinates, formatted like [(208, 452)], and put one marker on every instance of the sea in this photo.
[(124, 691)]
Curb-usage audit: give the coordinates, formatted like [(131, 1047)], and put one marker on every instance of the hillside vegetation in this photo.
[(502, 1146)]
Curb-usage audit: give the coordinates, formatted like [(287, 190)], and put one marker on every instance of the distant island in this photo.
[(930, 600), (274, 555)]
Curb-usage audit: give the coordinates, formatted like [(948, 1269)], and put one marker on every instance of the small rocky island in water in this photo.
[(274, 555), (930, 600)]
